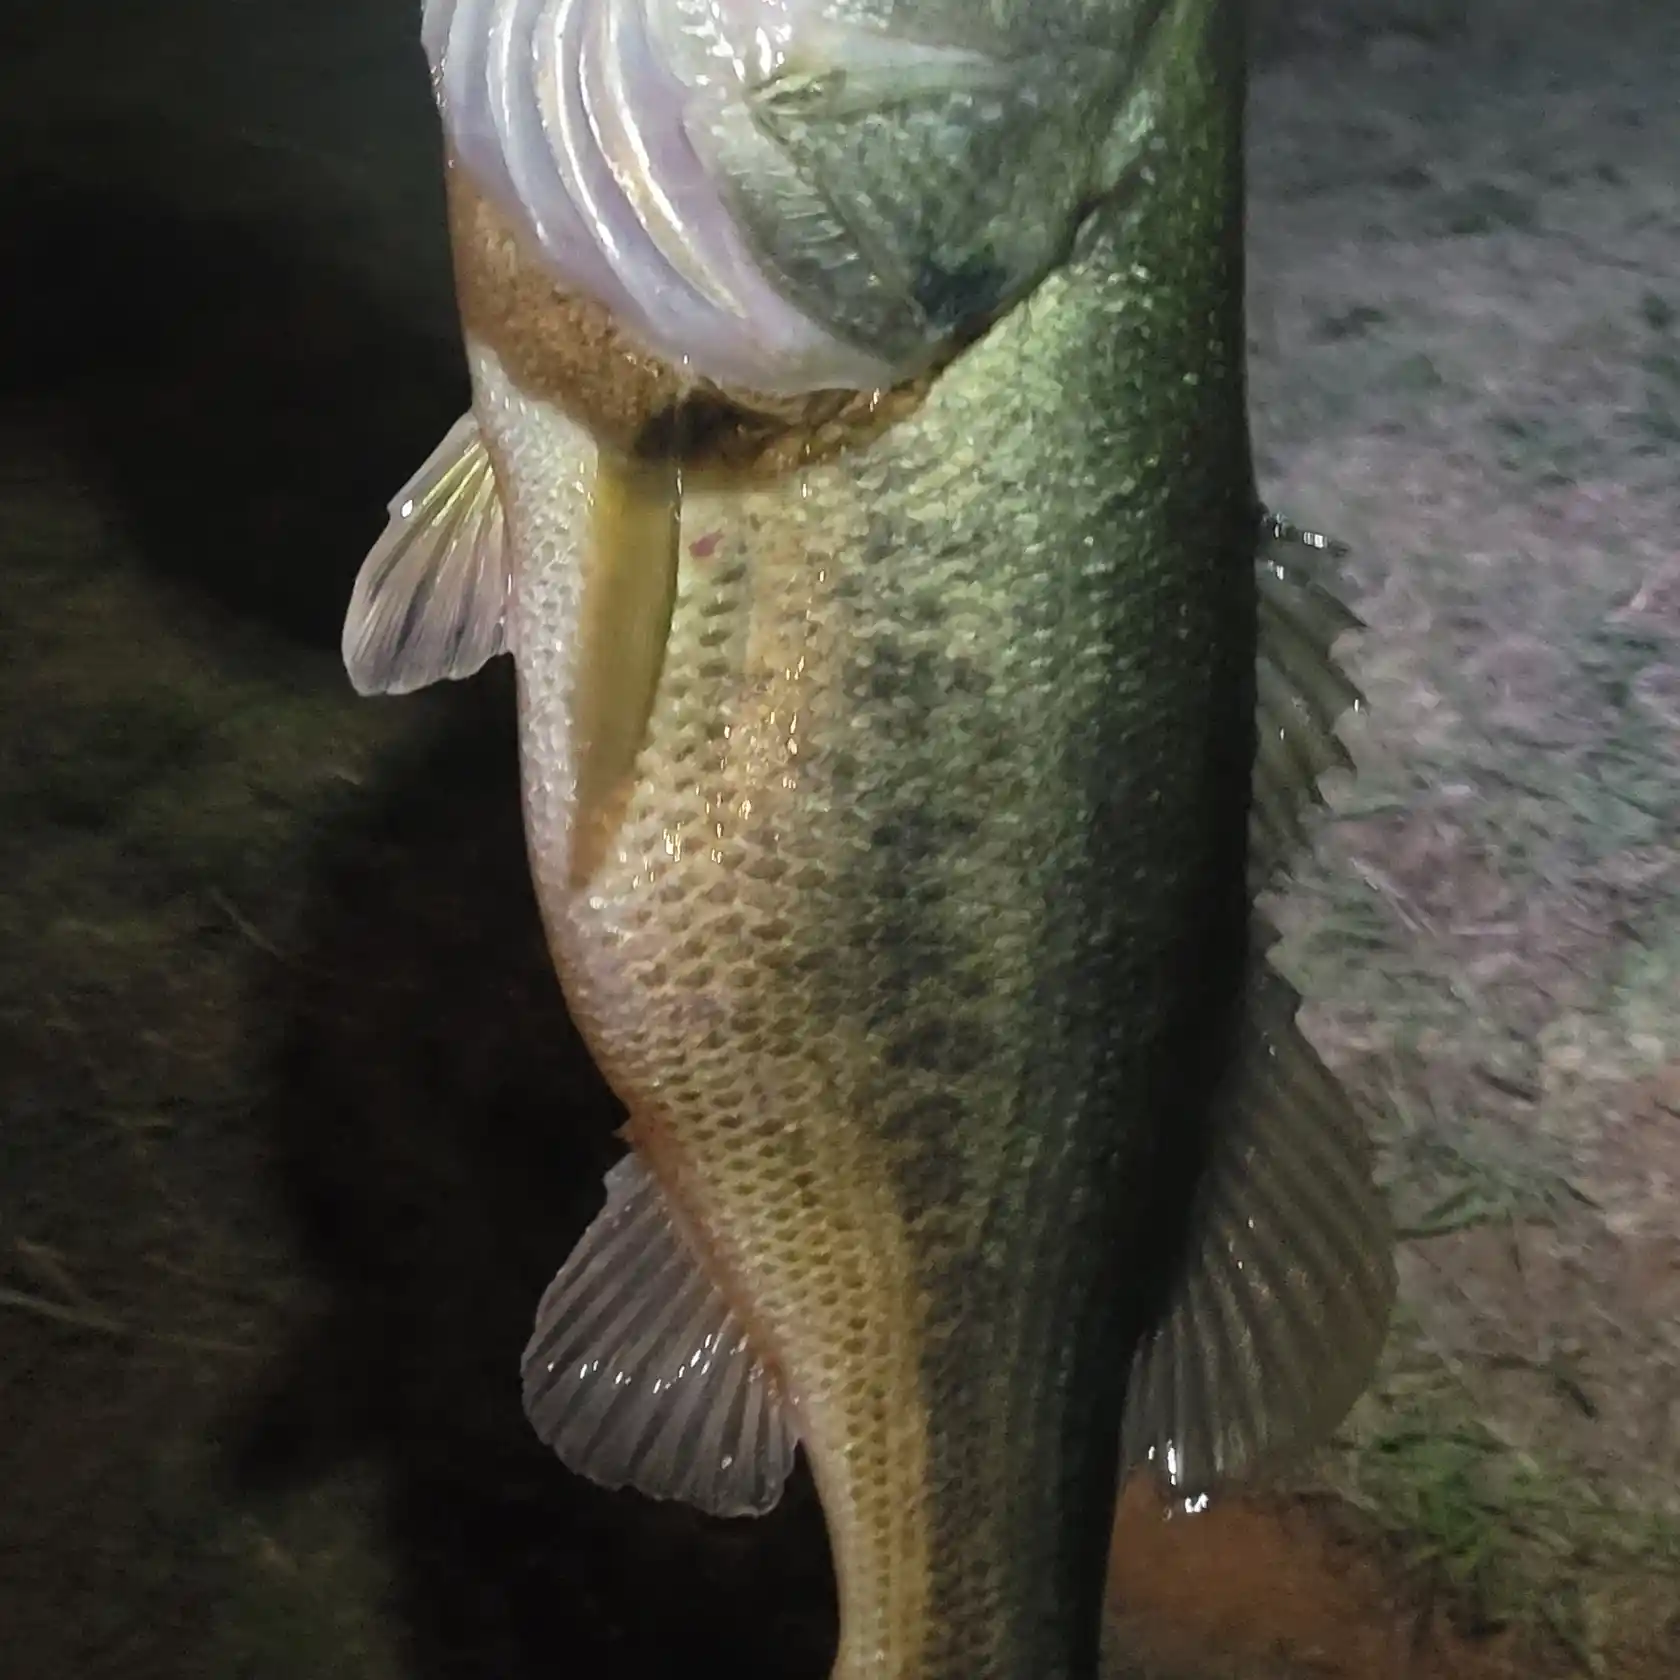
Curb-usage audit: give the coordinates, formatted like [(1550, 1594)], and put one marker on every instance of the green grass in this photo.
[(1490, 1086), (1514, 1541)]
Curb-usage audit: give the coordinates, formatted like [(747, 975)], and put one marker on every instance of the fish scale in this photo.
[(931, 1154), (972, 1141)]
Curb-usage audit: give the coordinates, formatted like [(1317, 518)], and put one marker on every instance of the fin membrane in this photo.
[(430, 601), (1301, 695), (639, 1374), (1282, 1308)]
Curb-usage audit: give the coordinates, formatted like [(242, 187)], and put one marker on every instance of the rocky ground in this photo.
[(294, 1125)]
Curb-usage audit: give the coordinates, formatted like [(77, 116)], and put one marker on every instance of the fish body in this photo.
[(892, 795)]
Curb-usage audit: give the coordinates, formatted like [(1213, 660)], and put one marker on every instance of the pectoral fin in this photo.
[(630, 585), (1282, 1304), (430, 601), (639, 1373), (1301, 692)]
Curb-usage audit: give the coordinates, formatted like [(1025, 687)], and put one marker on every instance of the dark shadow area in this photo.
[(243, 403), (192, 326), (443, 1135)]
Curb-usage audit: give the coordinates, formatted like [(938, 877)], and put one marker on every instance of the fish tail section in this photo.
[(1281, 1306)]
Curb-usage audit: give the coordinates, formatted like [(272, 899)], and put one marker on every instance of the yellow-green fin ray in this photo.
[(629, 588)]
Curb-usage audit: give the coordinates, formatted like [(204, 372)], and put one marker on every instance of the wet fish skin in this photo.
[(970, 1135)]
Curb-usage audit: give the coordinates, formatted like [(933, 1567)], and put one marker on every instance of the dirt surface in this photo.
[(293, 1126), (1464, 317), (1263, 1589)]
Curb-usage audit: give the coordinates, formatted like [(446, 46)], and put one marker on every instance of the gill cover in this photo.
[(785, 195)]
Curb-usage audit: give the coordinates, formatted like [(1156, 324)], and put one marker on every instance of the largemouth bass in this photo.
[(911, 696)]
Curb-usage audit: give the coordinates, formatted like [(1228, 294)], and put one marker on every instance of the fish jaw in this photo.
[(573, 117), (781, 196)]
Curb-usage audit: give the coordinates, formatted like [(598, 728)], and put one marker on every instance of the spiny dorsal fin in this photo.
[(430, 601), (639, 1374), (1301, 694), (1282, 1306)]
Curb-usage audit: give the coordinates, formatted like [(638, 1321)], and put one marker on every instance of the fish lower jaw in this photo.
[(577, 123)]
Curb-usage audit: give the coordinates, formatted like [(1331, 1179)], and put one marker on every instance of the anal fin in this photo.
[(430, 602), (1281, 1307), (640, 1374)]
